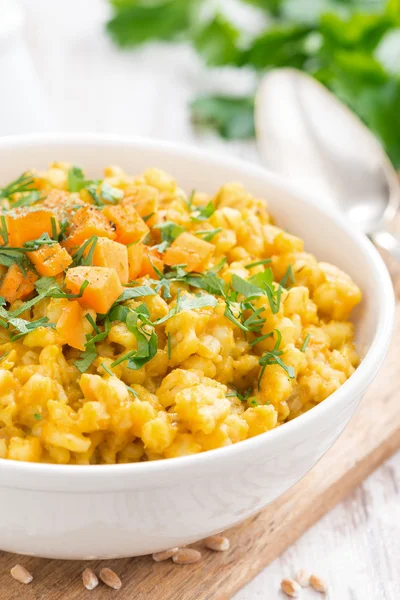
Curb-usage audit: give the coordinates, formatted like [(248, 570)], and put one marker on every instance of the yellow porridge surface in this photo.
[(139, 321)]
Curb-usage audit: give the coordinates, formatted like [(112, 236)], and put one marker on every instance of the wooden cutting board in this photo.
[(372, 436)]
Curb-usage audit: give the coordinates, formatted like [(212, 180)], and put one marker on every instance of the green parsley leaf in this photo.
[(305, 343), (3, 229), (246, 288), (217, 42), (208, 234), (232, 117), (76, 180), (136, 22), (190, 303), (86, 359), (43, 240), (288, 278), (23, 183), (280, 45), (272, 357), (263, 261), (37, 416), (29, 199), (79, 258), (135, 292), (110, 194), (169, 232), (169, 345)]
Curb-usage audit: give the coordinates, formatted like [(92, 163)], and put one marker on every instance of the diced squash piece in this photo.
[(26, 224), (62, 203), (113, 255), (141, 258), (16, 285), (103, 289), (87, 222), (71, 325), (50, 260), (145, 199), (189, 250), (129, 226)]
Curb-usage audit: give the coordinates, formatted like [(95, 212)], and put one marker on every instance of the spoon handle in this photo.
[(387, 241)]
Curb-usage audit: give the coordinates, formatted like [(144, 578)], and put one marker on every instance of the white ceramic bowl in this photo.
[(127, 510)]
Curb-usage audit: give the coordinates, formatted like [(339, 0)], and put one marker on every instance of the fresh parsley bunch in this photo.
[(351, 46)]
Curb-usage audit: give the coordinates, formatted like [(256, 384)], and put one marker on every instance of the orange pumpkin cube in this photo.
[(129, 226), (87, 222), (141, 261), (103, 288), (16, 285), (189, 250), (71, 325), (50, 260), (26, 224), (113, 255), (145, 200)]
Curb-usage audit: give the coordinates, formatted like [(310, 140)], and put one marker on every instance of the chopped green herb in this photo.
[(9, 256), (92, 322), (189, 201), (202, 213), (135, 292), (23, 183), (85, 360), (29, 199), (148, 217), (272, 357), (169, 345), (110, 194), (3, 229), (288, 278), (54, 232), (208, 234), (76, 179), (200, 301), (264, 261), (246, 288), (107, 370), (261, 338), (305, 343), (88, 247), (169, 232), (43, 240), (37, 416)]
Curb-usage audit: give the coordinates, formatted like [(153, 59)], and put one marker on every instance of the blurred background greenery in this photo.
[(351, 46)]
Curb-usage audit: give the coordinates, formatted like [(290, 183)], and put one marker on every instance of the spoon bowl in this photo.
[(306, 134)]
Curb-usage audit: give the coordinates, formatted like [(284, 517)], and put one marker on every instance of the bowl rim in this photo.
[(354, 386)]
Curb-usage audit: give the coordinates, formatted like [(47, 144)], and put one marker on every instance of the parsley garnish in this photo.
[(37, 416), (3, 229), (272, 357), (28, 199), (169, 232), (202, 213), (288, 277), (43, 240), (23, 183), (169, 345), (107, 370), (305, 343), (79, 258), (263, 261), (208, 234)]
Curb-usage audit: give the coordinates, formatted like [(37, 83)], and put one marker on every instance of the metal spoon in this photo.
[(305, 133)]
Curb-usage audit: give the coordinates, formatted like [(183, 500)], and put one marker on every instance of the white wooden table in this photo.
[(92, 86)]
